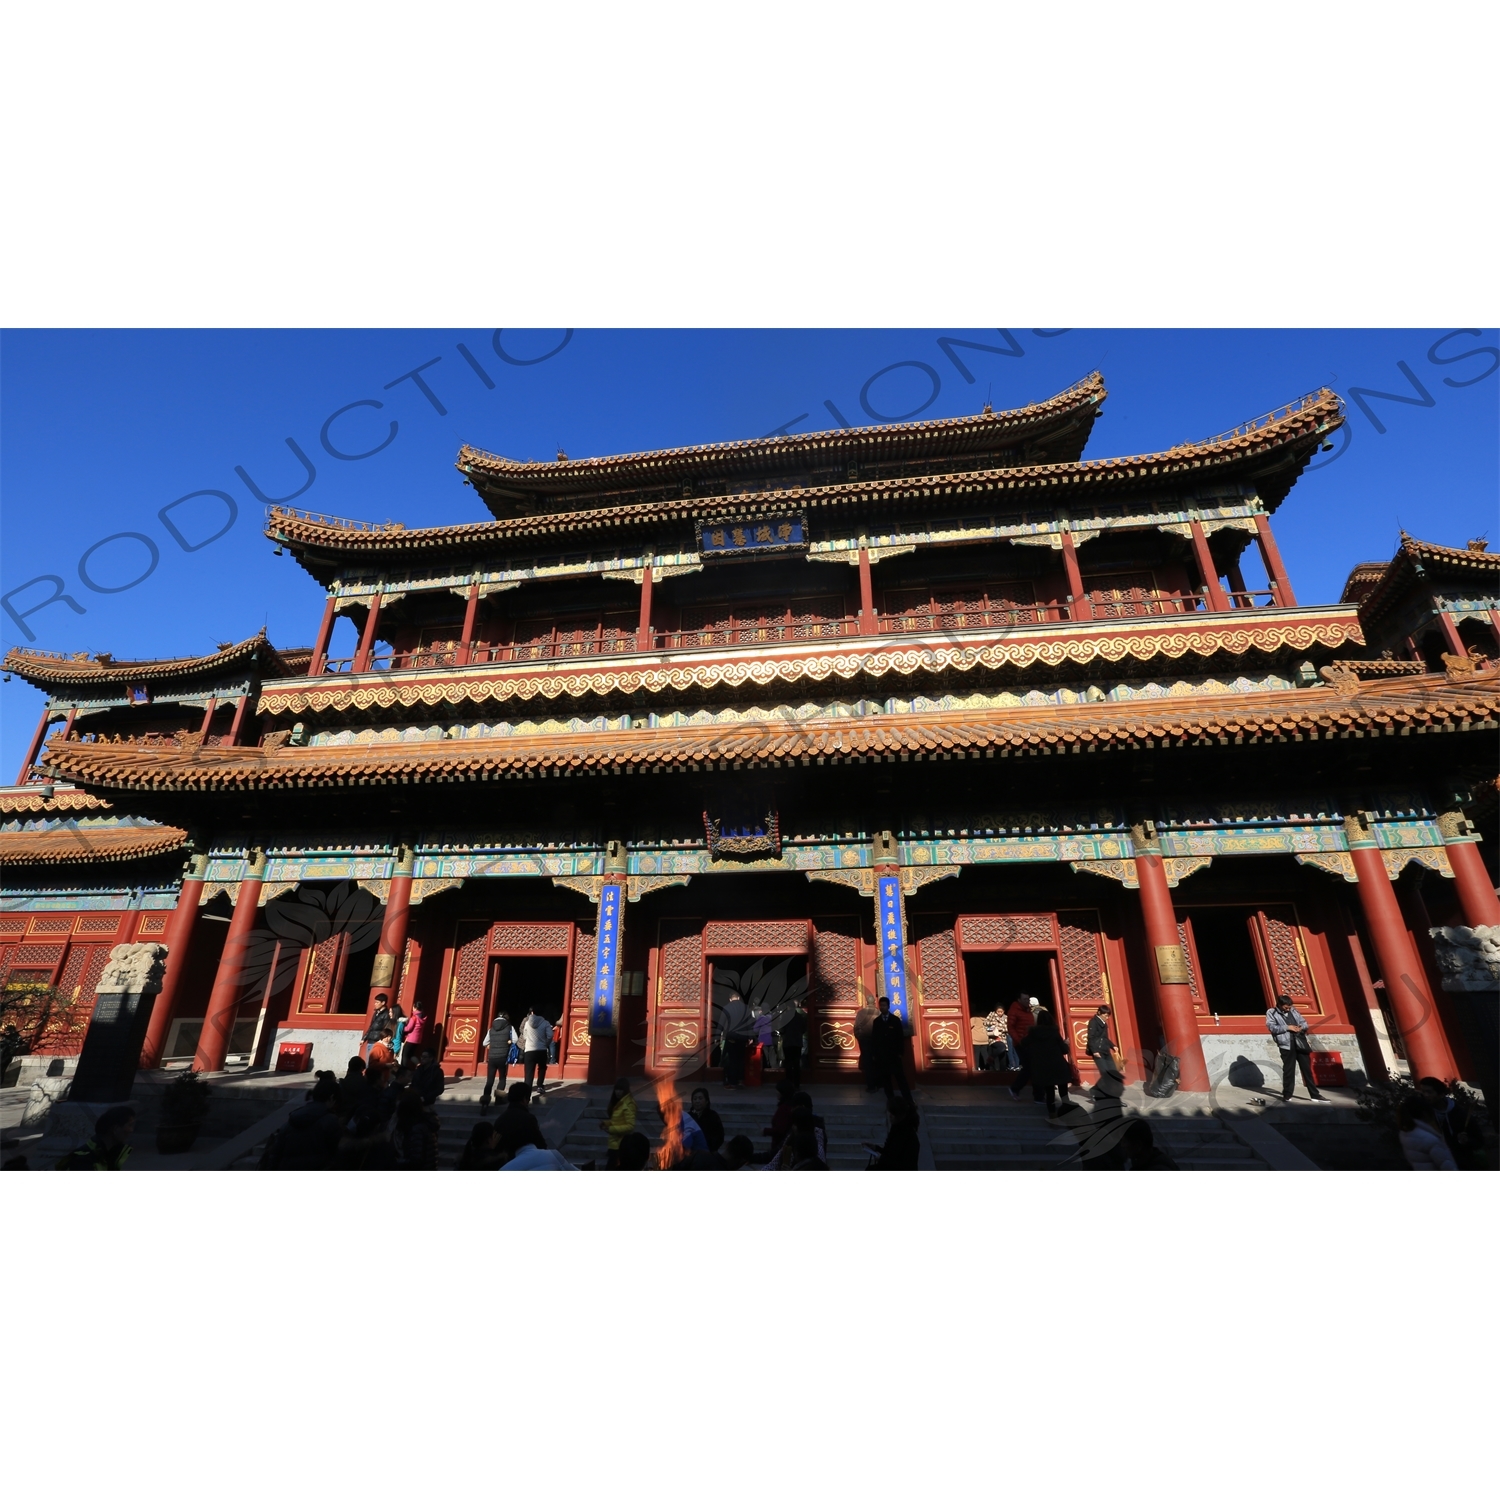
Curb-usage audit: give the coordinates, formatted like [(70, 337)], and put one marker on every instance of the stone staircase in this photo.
[(984, 1133)]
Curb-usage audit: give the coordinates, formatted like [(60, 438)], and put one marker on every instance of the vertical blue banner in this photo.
[(606, 962), (893, 946)]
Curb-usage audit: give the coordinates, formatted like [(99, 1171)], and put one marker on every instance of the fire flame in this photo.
[(670, 1152)]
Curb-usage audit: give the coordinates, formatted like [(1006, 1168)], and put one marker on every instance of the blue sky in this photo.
[(100, 430)]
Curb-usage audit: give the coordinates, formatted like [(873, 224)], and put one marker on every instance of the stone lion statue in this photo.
[(133, 968)]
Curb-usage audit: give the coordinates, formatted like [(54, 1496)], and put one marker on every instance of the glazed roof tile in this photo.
[(1404, 705), (1377, 587), (55, 669), (15, 800), (87, 846), (1272, 448), (889, 442)]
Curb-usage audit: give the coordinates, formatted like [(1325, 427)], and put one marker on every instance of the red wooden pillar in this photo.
[(208, 718), (35, 748), (179, 941), (385, 975), (471, 614), (224, 1000), (1217, 599), (320, 646), (1281, 585), (643, 636), (367, 638), (239, 720), (1237, 582), (1405, 983), (1475, 893), (1080, 609), (1450, 634), (1168, 962), (869, 623)]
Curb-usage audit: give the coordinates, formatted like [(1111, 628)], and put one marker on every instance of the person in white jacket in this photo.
[(1422, 1142), (536, 1038)]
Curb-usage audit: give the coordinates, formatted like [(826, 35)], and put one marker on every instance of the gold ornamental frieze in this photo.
[(1056, 649)]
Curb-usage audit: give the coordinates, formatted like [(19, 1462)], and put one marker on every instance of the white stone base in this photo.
[(331, 1049), (1240, 1056)]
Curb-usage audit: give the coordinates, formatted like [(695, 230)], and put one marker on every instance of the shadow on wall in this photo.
[(1244, 1074)]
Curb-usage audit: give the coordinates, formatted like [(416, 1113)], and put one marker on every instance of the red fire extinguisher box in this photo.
[(294, 1057), (1328, 1070)]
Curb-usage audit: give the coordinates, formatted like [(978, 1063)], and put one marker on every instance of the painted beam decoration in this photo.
[(893, 946), (606, 961), (766, 535)]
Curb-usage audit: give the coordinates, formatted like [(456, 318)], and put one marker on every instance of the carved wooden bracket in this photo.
[(1123, 870), (430, 886)]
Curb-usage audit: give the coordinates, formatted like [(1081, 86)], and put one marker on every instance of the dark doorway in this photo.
[(532, 984), (359, 969), (1229, 975), (997, 978)]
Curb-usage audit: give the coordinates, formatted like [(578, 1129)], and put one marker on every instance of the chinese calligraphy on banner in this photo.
[(753, 536), (893, 946), (606, 962)]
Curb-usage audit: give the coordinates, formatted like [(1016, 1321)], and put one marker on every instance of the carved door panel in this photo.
[(580, 994), (677, 1028), (1085, 984), (835, 992), (939, 1024), (468, 989), (320, 982), (1282, 954)]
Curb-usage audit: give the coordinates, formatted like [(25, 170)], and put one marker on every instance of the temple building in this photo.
[(938, 710)]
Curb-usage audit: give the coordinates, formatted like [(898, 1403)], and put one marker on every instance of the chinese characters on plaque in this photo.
[(606, 962), (893, 946), (752, 536)]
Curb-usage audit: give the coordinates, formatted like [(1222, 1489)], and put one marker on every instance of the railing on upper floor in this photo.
[(1246, 598), (755, 633)]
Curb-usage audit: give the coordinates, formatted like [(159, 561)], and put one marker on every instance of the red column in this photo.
[(385, 976), (178, 940), (224, 1001), (1475, 893), (208, 717), (1081, 608), (239, 720), (1217, 599), (1168, 961), (1236, 581), (868, 623), (367, 638), (320, 646), (35, 748), (643, 633), (471, 613), (1450, 634), (1405, 983), (1281, 585)]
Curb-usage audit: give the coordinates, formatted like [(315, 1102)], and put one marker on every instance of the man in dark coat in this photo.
[(310, 1138), (792, 1033), (518, 1127), (739, 1030), (1102, 1050), (888, 1046)]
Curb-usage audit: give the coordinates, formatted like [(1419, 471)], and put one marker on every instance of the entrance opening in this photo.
[(531, 983), (770, 983), (997, 978), (1229, 974)]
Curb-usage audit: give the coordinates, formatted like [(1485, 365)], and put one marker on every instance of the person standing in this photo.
[(707, 1117), (381, 1060), (1019, 1021), (536, 1038), (888, 1043), (1421, 1137), (517, 1126), (979, 1041), (414, 1038), (619, 1120), (1286, 1025), (902, 1149), (379, 1021), (793, 1035), (738, 1031), (1047, 1058), (1102, 1050), (498, 1041)]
